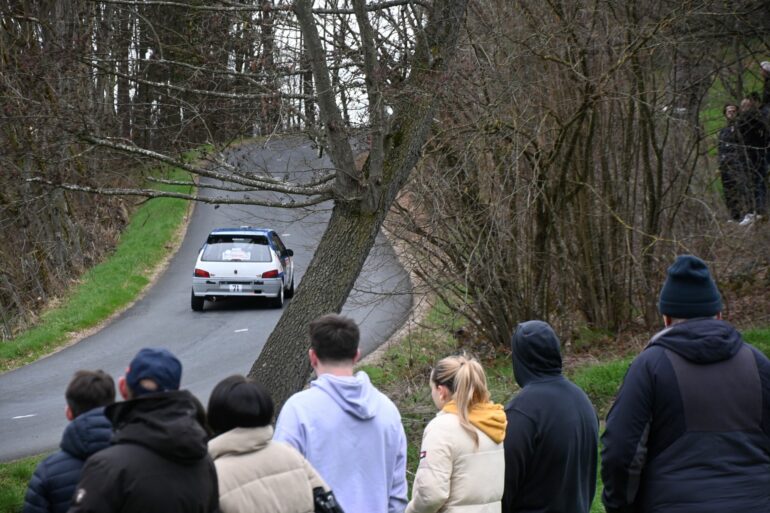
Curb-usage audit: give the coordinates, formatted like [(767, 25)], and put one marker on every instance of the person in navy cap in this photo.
[(690, 427), (158, 460)]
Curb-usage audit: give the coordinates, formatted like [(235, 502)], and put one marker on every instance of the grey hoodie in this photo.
[(352, 434)]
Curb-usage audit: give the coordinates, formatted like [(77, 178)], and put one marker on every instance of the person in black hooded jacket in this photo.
[(733, 166), (89, 431), (690, 428), (158, 461), (551, 441)]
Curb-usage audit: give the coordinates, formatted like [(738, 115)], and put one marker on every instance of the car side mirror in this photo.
[(289, 252)]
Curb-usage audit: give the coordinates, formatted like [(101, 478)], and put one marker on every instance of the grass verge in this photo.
[(110, 286), (102, 291), (14, 477)]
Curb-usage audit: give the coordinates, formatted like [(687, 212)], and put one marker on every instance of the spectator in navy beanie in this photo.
[(689, 430)]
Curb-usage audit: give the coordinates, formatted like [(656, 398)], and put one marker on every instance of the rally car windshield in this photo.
[(230, 248)]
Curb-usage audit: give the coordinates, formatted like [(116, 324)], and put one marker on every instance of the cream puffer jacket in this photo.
[(257, 475), (454, 475)]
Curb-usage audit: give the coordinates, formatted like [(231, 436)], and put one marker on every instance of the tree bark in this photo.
[(282, 365)]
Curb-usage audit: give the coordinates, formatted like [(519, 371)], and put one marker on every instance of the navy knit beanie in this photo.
[(689, 290)]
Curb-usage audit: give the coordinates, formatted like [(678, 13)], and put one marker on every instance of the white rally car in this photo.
[(243, 262)]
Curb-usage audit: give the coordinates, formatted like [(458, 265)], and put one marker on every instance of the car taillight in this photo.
[(270, 274), (200, 273)]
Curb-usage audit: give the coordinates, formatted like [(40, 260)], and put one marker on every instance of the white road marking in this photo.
[(24, 416), (241, 331), (285, 235)]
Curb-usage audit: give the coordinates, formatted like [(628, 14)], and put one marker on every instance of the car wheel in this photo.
[(290, 292), (278, 300), (196, 302)]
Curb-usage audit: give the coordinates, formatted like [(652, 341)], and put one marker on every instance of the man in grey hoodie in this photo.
[(346, 428)]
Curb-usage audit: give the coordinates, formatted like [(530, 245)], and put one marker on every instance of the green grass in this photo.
[(601, 382), (101, 291), (14, 477), (759, 338), (711, 115), (109, 286)]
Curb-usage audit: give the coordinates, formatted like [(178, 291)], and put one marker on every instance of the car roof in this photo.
[(243, 230)]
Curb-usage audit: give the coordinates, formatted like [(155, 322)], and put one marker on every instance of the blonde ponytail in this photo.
[(465, 378)]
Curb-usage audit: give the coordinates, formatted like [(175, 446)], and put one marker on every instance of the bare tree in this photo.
[(570, 162), (362, 197), (48, 236), (560, 162), (179, 75)]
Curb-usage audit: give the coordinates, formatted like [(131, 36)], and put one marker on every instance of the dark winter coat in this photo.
[(734, 170), (551, 441), (690, 428), (730, 149), (754, 134), (55, 478), (158, 462)]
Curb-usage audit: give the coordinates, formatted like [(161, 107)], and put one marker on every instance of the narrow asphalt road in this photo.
[(223, 339)]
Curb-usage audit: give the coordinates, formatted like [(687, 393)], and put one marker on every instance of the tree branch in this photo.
[(263, 183), (236, 7), (348, 179), (324, 179), (152, 193), (373, 79), (201, 92)]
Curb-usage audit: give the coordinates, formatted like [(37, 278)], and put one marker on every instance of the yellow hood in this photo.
[(488, 417)]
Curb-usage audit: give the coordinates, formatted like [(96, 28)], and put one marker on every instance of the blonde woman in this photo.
[(462, 463)]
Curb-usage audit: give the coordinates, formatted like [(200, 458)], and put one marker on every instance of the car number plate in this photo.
[(236, 288)]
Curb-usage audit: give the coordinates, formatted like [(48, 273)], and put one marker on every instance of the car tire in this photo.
[(196, 302), (278, 300), (290, 293)]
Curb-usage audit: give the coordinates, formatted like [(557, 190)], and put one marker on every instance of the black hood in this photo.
[(166, 422), (704, 340), (535, 352), (88, 433)]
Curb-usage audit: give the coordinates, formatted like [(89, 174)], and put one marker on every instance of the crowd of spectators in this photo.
[(689, 431)]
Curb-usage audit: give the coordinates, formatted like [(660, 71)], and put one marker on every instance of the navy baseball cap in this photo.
[(158, 365)]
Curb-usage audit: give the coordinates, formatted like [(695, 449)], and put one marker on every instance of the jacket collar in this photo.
[(240, 440)]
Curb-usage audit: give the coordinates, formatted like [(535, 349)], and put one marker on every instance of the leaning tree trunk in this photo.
[(282, 365)]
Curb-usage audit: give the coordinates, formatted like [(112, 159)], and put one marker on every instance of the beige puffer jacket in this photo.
[(454, 475), (257, 475)]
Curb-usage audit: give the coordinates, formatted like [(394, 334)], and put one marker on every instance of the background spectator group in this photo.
[(744, 154), (689, 431)]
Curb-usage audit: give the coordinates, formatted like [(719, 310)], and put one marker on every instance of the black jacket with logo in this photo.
[(690, 428), (158, 462)]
